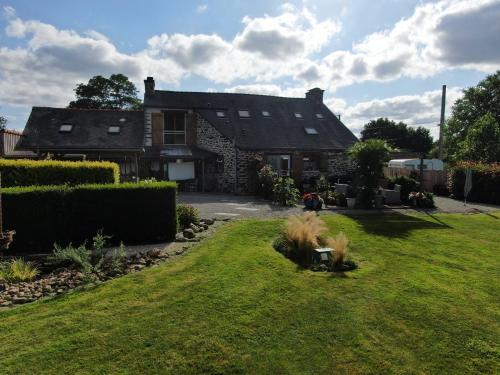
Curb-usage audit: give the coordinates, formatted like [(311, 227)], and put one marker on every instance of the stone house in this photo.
[(205, 141)]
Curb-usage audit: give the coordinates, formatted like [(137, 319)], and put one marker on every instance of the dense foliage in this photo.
[(485, 182), (407, 184), (187, 214), (132, 213), (267, 177), (482, 142), (3, 123), (16, 270), (476, 103), (284, 192), (115, 92), (52, 172), (370, 157)]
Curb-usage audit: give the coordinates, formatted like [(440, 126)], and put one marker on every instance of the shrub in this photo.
[(322, 185), (18, 270), (485, 182), (70, 256), (284, 192), (131, 212), (187, 214), (52, 172), (370, 156), (303, 233), (267, 178), (339, 245), (340, 199), (365, 197), (408, 185)]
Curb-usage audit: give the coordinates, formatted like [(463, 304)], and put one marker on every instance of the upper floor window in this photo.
[(311, 130), (266, 114), (114, 129), (66, 128), (174, 127), (220, 113), (243, 113), (298, 115), (319, 116)]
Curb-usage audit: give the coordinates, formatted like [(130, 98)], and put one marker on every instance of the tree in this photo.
[(3, 123), (476, 103), (482, 142), (370, 156), (420, 141), (115, 92), (395, 134)]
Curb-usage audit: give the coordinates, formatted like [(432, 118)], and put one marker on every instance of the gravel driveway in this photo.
[(227, 206)]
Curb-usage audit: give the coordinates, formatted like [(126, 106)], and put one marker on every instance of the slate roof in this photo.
[(90, 130), (282, 130)]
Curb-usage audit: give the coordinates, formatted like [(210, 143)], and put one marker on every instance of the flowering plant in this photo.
[(421, 199)]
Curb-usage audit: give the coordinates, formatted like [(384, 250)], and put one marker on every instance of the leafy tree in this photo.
[(476, 103), (370, 156), (395, 134), (482, 142), (3, 123), (115, 92), (420, 141)]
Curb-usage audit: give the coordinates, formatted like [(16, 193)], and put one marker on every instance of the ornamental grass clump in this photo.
[(338, 244), (303, 233), (18, 270)]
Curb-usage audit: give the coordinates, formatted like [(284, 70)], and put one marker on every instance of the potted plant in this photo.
[(351, 196), (379, 199), (6, 237)]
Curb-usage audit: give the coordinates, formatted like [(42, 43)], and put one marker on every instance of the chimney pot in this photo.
[(149, 85)]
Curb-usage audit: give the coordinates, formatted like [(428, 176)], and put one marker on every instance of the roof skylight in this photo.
[(311, 130), (243, 113), (266, 114), (298, 115), (220, 113), (65, 128), (320, 116), (114, 129)]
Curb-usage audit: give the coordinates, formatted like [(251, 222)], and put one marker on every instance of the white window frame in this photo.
[(244, 113), (174, 132), (220, 114), (114, 129), (266, 114), (311, 131), (65, 128), (298, 115), (320, 116)]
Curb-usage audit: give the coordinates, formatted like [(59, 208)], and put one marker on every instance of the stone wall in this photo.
[(339, 164), (210, 139)]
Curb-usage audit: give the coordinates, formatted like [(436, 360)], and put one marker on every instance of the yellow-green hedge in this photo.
[(55, 172)]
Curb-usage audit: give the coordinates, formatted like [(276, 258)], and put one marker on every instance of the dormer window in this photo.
[(114, 129), (243, 113), (319, 116), (65, 128), (220, 113), (298, 115), (311, 131), (266, 114)]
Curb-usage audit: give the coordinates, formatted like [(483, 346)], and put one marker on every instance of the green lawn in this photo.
[(424, 300)]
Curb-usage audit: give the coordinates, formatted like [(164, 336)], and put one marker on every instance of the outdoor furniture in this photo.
[(392, 196)]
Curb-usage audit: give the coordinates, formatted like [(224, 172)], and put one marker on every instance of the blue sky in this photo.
[(373, 58)]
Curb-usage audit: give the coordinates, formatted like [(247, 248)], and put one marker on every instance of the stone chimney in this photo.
[(149, 85), (315, 95)]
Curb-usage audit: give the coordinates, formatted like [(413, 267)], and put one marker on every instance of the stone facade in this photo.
[(339, 164)]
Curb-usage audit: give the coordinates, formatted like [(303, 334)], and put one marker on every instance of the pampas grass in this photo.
[(339, 245), (18, 270), (303, 231)]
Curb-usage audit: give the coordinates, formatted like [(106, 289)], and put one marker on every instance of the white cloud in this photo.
[(9, 11), (415, 110), (202, 8)]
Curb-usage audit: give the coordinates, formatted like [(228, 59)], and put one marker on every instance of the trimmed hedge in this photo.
[(131, 212), (485, 182), (55, 172)]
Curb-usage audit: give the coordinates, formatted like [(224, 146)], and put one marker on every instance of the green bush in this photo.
[(131, 212), (187, 214), (408, 185), (485, 182), (284, 192), (17, 270), (53, 172), (267, 178)]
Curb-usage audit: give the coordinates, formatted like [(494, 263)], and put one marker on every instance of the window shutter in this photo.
[(157, 124)]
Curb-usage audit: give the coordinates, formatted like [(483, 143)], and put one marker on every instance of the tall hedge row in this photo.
[(485, 182), (55, 172), (132, 213)]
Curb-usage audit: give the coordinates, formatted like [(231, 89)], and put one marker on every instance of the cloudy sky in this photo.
[(373, 58)]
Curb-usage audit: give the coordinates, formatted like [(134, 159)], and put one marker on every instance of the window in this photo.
[(298, 115), (114, 129), (319, 116), (280, 163), (311, 130), (266, 114), (174, 128), (243, 113), (310, 163), (66, 128), (220, 113)]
